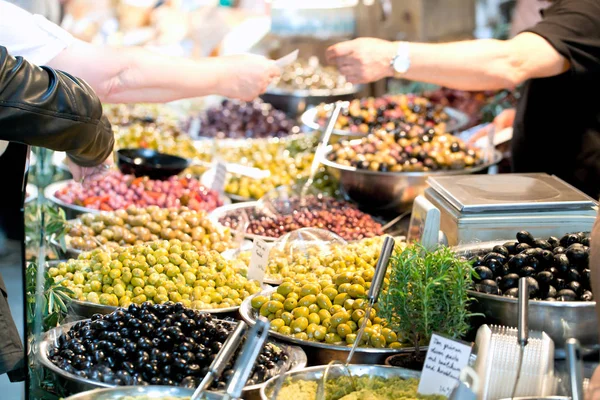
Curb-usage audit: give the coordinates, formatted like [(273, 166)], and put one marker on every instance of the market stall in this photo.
[(363, 235)]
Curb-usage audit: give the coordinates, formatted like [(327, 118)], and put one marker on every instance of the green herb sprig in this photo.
[(427, 292)]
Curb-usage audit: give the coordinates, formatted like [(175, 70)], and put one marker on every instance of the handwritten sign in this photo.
[(218, 183), (258, 260), (445, 359)]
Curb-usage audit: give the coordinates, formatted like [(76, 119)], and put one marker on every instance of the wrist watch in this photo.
[(401, 61)]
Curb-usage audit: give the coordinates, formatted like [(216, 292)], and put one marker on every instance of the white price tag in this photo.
[(258, 260), (445, 359), (218, 183)]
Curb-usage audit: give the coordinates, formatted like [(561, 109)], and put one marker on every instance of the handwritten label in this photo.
[(445, 359), (218, 183), (258, 260)]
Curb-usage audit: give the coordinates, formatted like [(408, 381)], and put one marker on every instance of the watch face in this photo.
[(401, 64)]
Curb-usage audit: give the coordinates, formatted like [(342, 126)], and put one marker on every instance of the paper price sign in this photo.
[(218, 184), (445, 359), (258, 260)]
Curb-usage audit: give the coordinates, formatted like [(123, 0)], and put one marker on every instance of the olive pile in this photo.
[(556, 269), (310, 75), (411, 150), (116, 191), (148, 344), (389, 113), (315, 262), (139, 225), (326, 310), (155, 272), (147, 114), (238, 120), (337, 216)]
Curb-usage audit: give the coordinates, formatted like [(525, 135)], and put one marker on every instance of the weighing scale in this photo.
[(478, 208)]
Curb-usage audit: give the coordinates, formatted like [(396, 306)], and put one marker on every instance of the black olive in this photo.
[(512, 292), (559, 284), (547, 257), (189, 382), (120, 353), (566, 295), (189, 356), (551, 292), (552, 270), (544, 277), (180, 363), (576, 287), (185, 346), (193, 369), (526, 271), (156, 380), (509, 281), (494, 256), (68, 354), (516, 262), (144, 343), (569, 239), (128, 366), (511, 247), (96, 317), (522, 247), (100, 325), (134, 323), (585, 241), (535, 264), (525, 237), (587, 296), (189, 325), (488, 286), (501, 250), (484, 273), (533, 287), (135, 334), (200, 357), (542, 244), (561, 262), (573, 275), (577, 254), (167, 369), (554, 241), (495, 266), (533, 252), (559, 250), (585, 278)]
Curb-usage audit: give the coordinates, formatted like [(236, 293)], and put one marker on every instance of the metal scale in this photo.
[(471, 208)]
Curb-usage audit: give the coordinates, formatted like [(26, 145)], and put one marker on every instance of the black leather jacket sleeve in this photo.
[(43, 107)]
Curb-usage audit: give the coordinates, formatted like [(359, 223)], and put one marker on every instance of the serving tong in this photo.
[(255, 341)]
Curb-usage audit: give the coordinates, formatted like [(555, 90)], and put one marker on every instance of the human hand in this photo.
[(363, 60), (250, 76), (593, 392), (85, 174), (502, 121)]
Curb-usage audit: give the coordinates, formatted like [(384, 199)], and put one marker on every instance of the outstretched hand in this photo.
[(249, 77), (84, 174), (363, 60)]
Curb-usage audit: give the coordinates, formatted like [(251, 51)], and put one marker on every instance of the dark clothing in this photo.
[(48, 108), (557, 126)]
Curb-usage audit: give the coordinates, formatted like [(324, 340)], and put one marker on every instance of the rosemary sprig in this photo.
[(427, 292)]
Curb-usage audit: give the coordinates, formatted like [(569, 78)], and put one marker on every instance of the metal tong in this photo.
[(523, 327), (373, 294), (573, 350), (220, 362)]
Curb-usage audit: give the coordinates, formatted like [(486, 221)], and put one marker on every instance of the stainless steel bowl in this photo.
[(72, 210), (295, 102), (222, 211), (322, 353), (390, 190), (560, 320), (316, 374), (78, 384), (458, 120), (117, 393)]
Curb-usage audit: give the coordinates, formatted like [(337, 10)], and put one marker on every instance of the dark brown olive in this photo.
[(585, 241), (511, 247), (561, 262), (525, 237), (516, 262), (559, 284), (547, 257), (569, 239), (576, 287), (559, 250), (542, 244), (501, 250), (526, 271), (573, 275), (587, 296), (544, 277), (566, 295), (512, 292), (554, 241), (551, 291), (533, 287), (494, 256), (509, 281), (484, 273), (487, 286), (495, 266), (477, 261), (522, 247), (577, 254)]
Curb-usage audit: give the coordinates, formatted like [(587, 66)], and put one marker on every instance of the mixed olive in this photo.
[(116, 191), (156, 272), (556, 269), (311, 75), (407, 150), (328, 309), (134, 225), (240, 120), (148, 344), (337, 216), (389, 113)]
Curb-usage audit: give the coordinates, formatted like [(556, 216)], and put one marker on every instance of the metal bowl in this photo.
[(322, 353), (78, 384), (560, 320), (31, 193), (73, 210), (222, 211), (296, 102), (154, 392), (458, 120), (390, 190), (316, 374)]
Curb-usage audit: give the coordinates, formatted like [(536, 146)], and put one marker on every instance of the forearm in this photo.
[(129, 75), (469, 65)]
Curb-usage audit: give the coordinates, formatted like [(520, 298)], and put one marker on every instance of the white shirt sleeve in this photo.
[(30, 36)]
